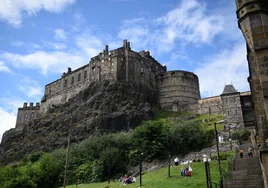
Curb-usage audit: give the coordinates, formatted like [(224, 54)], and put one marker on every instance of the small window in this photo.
[(121, 58), (65, 83), (79, 77), (142, 69), (228, 113), (102, 60), (109, 58), (72, 82), (85, 74)]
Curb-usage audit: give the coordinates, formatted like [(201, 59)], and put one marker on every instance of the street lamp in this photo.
[(169, 165), (140, 162), (230, 138), (231, 144), (217, 144), (206, 161)]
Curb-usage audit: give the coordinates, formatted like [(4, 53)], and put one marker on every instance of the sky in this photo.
[(40, 39)]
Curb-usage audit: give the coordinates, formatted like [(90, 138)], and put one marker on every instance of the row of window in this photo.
[(78, 78)]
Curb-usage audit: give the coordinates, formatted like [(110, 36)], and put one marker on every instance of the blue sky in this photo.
[(40, 39)]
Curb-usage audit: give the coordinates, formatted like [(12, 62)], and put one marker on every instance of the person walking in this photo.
[(250, 153), (241, 153)]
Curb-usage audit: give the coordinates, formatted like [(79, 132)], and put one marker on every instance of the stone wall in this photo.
[(232, 110), (177, 88), (210, 105), (121, 64), (27, 114)]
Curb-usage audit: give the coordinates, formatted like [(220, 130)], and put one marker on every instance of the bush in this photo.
[(223, 156), (241, 135)]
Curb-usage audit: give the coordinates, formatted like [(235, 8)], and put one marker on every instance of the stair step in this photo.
[(247, 173)]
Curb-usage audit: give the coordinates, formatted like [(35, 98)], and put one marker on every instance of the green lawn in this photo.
[(159, 179)]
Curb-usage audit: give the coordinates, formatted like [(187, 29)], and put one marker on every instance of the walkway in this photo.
[(247, 172)]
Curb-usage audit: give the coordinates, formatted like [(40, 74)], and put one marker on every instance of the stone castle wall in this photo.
[(177, 88), (210, 105), (121, 64), (27, 114), (232, 110)]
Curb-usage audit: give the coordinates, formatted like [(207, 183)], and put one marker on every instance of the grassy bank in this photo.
[(159, 178)]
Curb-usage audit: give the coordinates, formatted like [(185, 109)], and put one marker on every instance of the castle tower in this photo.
[(253, 21), (232, 109)]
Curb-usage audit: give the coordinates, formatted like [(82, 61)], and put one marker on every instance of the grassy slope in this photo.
[(159, 179)]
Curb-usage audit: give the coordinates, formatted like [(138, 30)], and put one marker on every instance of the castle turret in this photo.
[(253, 21), (232, 109)]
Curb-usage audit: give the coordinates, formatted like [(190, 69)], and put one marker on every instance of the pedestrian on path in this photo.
[(250, 153), (241, 152)]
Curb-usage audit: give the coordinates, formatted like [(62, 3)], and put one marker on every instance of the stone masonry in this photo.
[(253, 22)]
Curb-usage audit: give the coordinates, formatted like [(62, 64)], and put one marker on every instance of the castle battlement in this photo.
[(31, 106)]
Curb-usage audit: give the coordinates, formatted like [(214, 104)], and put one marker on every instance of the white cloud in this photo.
[(90, 45), (56, 61), (60, 34), (3, 67), (8, 113), (10, 105), (190, 22), (30, 87), (11, 10), (228, 66), (55, 45), (7, 121)]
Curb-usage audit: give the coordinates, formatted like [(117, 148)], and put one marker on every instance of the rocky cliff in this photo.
[(102, 107)]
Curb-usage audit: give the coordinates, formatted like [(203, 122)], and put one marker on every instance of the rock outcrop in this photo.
[(102, 107)]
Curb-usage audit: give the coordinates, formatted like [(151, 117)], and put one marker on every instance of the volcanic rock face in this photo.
[(102, 107)]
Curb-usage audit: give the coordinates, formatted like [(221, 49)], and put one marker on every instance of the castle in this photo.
[(176, 90)]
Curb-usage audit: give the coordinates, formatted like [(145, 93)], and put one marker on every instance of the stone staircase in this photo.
[(247, 173)]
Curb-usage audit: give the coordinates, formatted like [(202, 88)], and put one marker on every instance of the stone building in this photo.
[(25, 115), (121, 64), (176, 90), (237, 108), (253, 22)]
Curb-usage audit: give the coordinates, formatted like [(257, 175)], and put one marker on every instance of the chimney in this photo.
[(37, 104), (69, 70), (125, 43), (25, 105), (106, 49), (31, 104)]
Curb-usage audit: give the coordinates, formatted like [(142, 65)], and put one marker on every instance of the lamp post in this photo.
[(206, 161), (217, 144), (230, 138), (140, 162), (168, 165)]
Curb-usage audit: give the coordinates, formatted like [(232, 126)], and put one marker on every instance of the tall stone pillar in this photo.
[(253, 21)]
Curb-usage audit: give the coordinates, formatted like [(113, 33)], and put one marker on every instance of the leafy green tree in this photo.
[(114, 162), (151, 139)]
